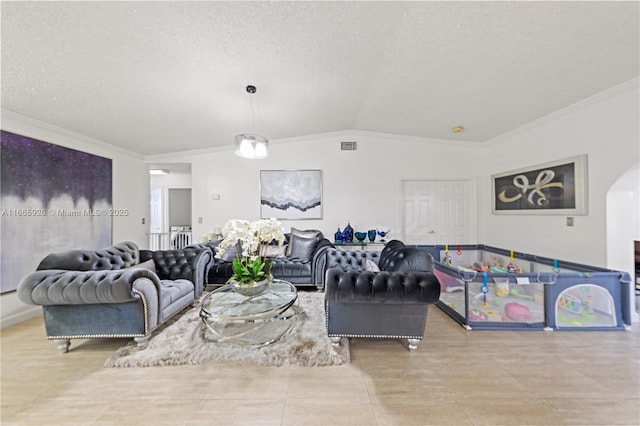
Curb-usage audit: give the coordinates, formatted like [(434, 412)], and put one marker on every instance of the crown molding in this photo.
[(15, 123)]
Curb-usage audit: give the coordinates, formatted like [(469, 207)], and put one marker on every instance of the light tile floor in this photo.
[(456, 377)]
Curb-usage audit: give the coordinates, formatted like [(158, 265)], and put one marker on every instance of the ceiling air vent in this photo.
[(349, 146)]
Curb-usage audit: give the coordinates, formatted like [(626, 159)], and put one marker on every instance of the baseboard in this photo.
[(20, 317)]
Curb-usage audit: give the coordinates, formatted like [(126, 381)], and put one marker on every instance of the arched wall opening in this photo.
[(623, 227)]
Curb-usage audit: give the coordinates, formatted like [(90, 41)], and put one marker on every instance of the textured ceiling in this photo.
[(157, 77)]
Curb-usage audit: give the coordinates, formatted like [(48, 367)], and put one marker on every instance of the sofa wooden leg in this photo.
[(142, 341), (335, 340), (413, 344), (62, 345)]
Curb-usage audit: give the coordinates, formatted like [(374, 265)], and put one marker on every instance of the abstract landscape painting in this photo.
[(291, 194), (53, 198)]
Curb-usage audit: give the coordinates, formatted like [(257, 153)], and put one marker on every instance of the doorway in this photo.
[(180, 217), (439, 212), (179, 207), (170, 208)]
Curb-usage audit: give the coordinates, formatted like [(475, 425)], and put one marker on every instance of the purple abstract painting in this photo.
[(53, 198)]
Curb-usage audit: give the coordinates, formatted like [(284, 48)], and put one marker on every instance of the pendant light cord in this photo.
[(253, 117)]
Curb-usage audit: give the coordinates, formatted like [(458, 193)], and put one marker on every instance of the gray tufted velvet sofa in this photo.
[(116, 292), (390, 303), (301, 273)]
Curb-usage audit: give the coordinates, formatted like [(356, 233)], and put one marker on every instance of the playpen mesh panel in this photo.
[(585, 305)]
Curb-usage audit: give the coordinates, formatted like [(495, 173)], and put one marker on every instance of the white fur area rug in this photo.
[(179, 342)]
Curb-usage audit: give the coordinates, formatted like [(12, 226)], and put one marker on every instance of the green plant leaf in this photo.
[(247, 270)]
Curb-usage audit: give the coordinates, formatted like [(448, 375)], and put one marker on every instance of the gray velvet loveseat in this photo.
[(116, 292), (382, 295)]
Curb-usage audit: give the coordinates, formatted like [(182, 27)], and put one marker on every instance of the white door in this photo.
[(419, 198), (454, 218), (439, 212)]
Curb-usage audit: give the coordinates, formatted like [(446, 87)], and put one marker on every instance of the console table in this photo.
[(361, 245)]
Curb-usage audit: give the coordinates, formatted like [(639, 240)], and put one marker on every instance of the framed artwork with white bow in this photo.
[(558, 187)]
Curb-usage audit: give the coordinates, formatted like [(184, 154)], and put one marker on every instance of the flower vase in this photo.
[(348, 232), (383, 234), (250, 289)]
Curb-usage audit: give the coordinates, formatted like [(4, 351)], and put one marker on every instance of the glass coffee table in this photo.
[(228, 316)]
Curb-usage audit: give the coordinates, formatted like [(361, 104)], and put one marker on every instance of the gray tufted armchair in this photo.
[(119, 291), (391, 302)]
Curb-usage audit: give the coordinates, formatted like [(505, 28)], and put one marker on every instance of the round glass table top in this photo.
[(261, 319), (225, 304)]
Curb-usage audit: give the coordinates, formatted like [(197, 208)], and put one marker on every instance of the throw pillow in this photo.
[(311, 233), (301, 248), (147, 264), (232, 252), (371, 266), (273, 251)]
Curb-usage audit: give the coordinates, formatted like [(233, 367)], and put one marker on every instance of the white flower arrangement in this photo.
[(250, 266)]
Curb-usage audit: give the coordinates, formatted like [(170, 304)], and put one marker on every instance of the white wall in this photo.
[(130, 191), (606, 128), (362, 186)]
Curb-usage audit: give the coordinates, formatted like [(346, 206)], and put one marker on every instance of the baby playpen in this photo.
[(489, 288)]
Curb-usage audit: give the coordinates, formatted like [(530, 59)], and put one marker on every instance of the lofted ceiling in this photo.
[(159, 77)]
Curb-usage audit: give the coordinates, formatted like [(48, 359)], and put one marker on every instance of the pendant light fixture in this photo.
[(251, 145)]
